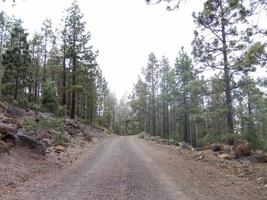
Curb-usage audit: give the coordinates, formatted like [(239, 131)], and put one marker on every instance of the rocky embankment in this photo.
[(237, 160), (34, 144)]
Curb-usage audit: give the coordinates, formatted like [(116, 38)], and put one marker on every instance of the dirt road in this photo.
[(130, 168)]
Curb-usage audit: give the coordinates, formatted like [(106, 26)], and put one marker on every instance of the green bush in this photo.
[(60, 137), (52, 123), (61, 111), (175, 136), (256, 141), (227, 138), (211, 138), (230, 138), (34, 106), (96, 125)]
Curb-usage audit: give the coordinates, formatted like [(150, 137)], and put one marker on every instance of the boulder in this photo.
[(225, 156), (23, 139), (228, 149), (88, 136), (184, 145), (171, 142), (48, 142), (262, 159), (15, 111), (242, 149), (217, 147)]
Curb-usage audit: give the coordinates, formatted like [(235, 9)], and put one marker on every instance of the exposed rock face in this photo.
[(15, 111), (25, 140)]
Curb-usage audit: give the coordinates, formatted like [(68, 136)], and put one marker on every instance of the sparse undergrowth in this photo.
[(50, 124)]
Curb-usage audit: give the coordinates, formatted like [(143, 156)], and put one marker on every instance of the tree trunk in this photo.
[(73, 102), (45, 58), (64, 75), (185, 116), (227, 81)]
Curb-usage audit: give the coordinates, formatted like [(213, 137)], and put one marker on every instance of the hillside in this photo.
[(34, 144)]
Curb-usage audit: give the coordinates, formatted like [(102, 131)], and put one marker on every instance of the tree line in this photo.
[(181, 101), (54, 70)]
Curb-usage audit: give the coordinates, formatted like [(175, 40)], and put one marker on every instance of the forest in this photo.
[(214, 94), (211, 94), (54, 70)]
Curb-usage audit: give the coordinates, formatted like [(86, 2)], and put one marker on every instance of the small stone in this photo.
[(10, 184), (201, 157), (95, 140), (48, 142), (59, 148)]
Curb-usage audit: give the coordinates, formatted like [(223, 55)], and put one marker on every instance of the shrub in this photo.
[(52, 123), (230, 138), (34, 106), (96, 125), (256, 141), (60, 137), (61, 111), (175, 136)]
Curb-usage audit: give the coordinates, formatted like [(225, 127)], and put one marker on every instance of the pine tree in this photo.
[(139, 105), (184, 74), (224, 49), (76, 39), (151, 73), (165, 89), (47, 37), (16, 62), (36, 55), (5, 29)]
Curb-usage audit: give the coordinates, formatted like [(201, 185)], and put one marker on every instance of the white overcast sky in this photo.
[(124, 31)]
